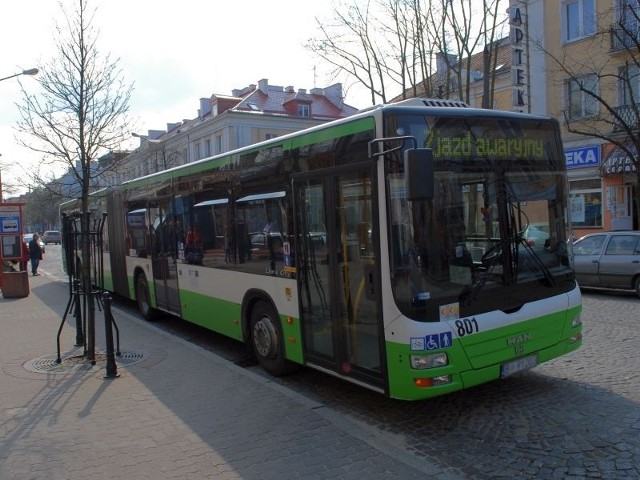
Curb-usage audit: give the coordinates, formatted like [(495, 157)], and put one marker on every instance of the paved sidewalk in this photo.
[(176, 411)]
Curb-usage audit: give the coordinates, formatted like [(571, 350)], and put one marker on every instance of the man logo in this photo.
[(517, 340)]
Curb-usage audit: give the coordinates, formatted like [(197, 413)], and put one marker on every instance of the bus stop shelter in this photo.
[(14, 279)]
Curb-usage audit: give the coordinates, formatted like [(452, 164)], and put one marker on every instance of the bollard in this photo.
[(112, 369)]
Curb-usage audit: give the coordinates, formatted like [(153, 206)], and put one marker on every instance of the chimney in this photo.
[(263, 86), (205, 107)]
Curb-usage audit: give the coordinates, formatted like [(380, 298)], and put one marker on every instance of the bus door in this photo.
[(339, 273), (166, 232)]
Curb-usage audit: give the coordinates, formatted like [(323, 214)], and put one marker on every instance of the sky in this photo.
[(173, 52)]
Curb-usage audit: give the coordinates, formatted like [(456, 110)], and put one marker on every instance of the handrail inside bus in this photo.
[(392, 149), (262, 196), (206, 203)]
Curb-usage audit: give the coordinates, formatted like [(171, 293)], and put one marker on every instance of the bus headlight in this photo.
[(420, 362)]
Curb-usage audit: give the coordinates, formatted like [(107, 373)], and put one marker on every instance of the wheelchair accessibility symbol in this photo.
[(438, 340)]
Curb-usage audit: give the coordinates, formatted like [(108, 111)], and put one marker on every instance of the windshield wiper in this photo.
[(537, 260)]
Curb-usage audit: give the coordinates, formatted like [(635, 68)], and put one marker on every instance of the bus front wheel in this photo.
[(143, 298), (267, 340)]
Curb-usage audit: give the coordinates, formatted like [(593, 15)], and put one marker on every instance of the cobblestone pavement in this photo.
[(575, 417), (179, 413)]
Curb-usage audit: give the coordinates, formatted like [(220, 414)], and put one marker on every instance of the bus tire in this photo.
[(267, 340), (143, 298)]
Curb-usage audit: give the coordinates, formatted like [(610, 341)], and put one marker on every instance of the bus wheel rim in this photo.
[(264, 337)]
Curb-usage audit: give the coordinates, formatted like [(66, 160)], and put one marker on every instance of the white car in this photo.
[(609, 260)]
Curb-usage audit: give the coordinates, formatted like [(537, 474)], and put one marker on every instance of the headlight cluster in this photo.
[(420, 362)]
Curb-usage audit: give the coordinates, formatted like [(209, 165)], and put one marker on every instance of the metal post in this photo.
[(89, 300), (112, 369), (77, 312)]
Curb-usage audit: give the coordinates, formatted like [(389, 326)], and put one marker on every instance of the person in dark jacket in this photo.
[(35, 252)]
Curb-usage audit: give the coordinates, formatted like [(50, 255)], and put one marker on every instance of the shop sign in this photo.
[(519, 59), (619, 162), (582, 157)]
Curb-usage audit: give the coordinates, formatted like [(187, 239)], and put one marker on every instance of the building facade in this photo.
[(587, 63), (226, 122), (579, 62)]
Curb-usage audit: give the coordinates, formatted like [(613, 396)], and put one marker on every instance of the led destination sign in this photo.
[(468, 146)]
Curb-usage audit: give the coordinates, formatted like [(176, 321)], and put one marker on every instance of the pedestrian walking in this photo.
[(35, 252)]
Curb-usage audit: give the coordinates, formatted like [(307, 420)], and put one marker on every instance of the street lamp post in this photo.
[(30, 72)]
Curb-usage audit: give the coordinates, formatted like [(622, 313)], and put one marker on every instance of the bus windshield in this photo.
[(495, 235)]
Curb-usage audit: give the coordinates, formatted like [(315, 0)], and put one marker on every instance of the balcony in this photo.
[(628, 115), (625, 36)]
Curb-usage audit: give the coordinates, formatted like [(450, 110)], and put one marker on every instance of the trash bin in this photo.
[(15, 284)]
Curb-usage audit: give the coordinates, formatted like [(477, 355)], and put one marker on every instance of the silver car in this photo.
[(608, 260)]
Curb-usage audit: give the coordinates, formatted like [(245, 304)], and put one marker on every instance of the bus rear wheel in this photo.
[(143, 298), (267, 340)]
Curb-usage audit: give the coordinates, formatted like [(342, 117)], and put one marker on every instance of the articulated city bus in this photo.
[(416, 248)]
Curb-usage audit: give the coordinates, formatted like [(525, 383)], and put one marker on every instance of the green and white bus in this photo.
[(415, 248)]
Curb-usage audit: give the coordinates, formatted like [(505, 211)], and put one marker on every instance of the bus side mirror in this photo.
[(418, 173)]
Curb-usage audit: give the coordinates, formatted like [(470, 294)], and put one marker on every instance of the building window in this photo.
[(629, 88), (580, 103), (218, 143), (585, 200), (578, 19), (269, 136), (196, 152), (303, 110), (207, 148)]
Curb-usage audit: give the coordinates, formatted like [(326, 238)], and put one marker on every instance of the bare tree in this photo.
[(81, 113), (391, 47), (603, 97), (468, 28)]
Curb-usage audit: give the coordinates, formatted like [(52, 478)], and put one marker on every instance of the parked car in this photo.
[(52, 236), (27, 237), (608, 260)]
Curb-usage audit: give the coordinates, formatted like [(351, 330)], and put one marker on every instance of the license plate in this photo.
[(524, 363)]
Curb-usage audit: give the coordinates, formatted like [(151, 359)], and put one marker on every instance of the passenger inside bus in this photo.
[(193, 246)]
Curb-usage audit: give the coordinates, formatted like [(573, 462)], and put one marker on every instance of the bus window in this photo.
[(261, 232), (137, 239), (209, 218)]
